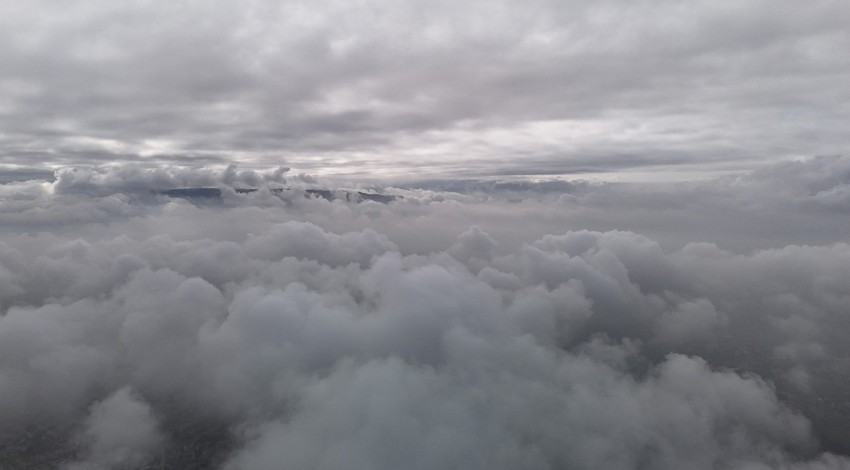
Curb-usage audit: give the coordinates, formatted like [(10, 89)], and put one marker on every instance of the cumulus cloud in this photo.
[(105, 180), (271, 330), (120, 433)]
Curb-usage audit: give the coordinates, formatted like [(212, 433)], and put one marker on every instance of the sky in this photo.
[(541, 235), (402, 89)]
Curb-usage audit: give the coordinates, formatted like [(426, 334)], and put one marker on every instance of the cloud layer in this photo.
[(453, 88), (269, 330)]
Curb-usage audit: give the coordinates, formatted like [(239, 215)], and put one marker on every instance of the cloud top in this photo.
[(269, 331)]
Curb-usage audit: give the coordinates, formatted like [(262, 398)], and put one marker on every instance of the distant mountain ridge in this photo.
[(327, 194)]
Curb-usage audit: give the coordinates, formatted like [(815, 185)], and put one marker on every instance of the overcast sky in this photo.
[(608, 234), (447, 88)]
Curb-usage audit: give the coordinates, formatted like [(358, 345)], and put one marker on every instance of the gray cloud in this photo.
[(120, 432), (518, 296), (442, 329), (335, 86)]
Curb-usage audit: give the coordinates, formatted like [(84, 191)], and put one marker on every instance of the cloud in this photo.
[(376, 89), (121, 433), (106, 180), (580, 416), (272, 330)]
